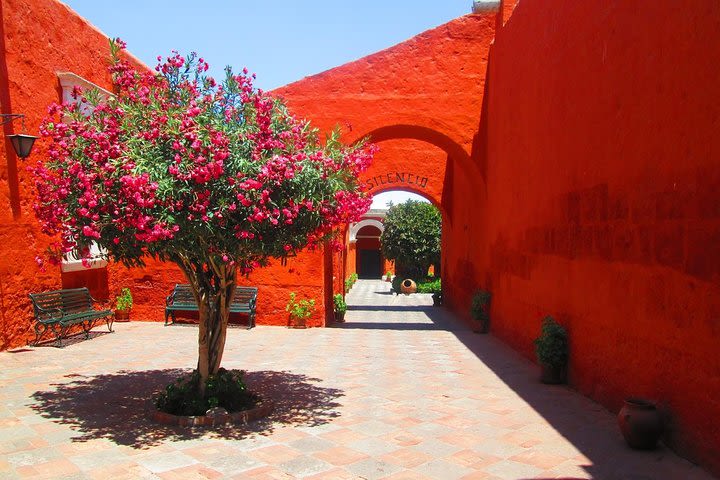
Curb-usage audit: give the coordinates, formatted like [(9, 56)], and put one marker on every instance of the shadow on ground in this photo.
[(117, 406), (572, 415), (72, 339)]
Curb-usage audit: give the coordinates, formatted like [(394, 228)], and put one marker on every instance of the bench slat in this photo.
[(57, 310), (182, 299)]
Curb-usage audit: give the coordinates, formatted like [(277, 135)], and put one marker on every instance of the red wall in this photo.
[(37, 39), (581, 180), (603, 200), (421, 101)]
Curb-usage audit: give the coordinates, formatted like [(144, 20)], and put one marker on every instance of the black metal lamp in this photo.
[(21, 142)]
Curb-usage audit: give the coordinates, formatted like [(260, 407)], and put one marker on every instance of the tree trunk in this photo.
[(213, 284)]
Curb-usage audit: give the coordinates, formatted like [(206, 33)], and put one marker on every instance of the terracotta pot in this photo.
[(408, 286), (340, 317), (122, 315), (297, 322), (551, 375), (640, 423)]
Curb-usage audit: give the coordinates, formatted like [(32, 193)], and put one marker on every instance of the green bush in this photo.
[(396, 282), (300, 310), (350, 281), (480, 310), (480, 306), (339, 301), (429, 285), (226, 389), (124, 301), (551, 347)]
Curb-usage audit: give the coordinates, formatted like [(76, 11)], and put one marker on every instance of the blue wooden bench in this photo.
[(182, 299), (58, 310)]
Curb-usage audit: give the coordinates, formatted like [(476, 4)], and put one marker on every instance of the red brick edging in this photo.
[(261, 411)]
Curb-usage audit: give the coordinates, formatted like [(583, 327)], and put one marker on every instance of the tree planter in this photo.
[(122, 315), (640, 423), (552, 375), (297, 322), (481, 327), (408, 286), (262, 410)]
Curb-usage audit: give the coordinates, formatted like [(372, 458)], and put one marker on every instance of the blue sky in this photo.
[(279, 40)]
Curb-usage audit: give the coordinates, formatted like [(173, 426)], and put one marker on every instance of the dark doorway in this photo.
[(369, 264)]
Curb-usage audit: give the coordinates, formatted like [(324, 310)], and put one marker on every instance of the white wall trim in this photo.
[(355, 228)]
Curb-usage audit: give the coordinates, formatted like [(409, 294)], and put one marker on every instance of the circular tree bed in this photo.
[(225, 399)]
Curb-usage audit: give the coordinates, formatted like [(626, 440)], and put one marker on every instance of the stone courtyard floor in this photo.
[(402, 390)]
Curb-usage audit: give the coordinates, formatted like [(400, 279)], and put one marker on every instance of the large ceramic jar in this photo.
[(408, 286), (640, 423)]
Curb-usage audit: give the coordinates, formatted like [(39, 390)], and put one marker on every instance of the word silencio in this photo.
[(397, 177)]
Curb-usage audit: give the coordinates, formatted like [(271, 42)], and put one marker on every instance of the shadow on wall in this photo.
[(117, 406)]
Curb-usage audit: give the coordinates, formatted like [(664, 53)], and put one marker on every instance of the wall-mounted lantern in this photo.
[(22, 143)]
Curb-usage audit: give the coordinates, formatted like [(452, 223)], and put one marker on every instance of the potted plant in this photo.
[(551, 348), (437, 298), (388, 276), (480, 311), (299, 311), (123, 305), (396, 282), (340, 307)]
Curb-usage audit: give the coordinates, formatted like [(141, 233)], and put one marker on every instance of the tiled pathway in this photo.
[(401, 391)]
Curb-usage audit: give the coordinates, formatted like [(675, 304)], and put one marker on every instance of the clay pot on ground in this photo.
[(640, 423), (339, 316), (552, 375), (295, 322), (408, 286), (122, 315)]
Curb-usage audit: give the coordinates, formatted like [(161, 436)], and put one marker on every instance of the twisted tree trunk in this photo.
[(213, 284)]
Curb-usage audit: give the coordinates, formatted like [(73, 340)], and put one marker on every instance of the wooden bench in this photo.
[(59, 310), (182, 299)]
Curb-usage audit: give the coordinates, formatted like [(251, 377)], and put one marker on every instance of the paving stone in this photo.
[(304, 466), (402, 390), (372, 469)]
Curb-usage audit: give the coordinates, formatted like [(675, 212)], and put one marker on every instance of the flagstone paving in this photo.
[(402, 390)]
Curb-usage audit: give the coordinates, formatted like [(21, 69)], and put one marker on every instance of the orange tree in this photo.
[(215, 177)]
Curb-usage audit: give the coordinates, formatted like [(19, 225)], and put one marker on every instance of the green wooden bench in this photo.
[(182, 299), (59, 310)]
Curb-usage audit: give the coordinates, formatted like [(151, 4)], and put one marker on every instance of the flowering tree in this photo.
[(217, 178)]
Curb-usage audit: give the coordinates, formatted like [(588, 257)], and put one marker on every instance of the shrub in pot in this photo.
[(437, 298), (123, 305), (340, 307), (551, 348), (480, 310), (396, 283), (300, 311)]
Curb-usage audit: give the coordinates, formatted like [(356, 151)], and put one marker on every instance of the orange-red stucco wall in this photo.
[(40, 38), (37, 39), (603, 200)]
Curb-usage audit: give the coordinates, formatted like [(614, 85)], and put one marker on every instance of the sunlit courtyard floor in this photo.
[(401, 390)]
